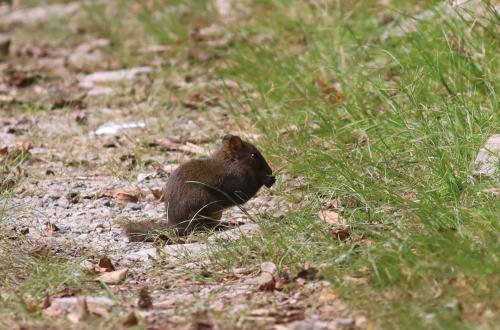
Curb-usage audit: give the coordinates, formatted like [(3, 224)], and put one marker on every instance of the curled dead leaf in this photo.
[(40, 252), (46, 302), (19, 78), (167, 144), (50, 228), (125, 196), (131, 320), (341, 234), (4, 151), (158, 193), (332, 92), (266, 282), (106, 264), (67, 292), (307, 273), (145, 301), (7, 184), (331, 217), (327, 295), (24, 145), (114, 277), (356, 280)]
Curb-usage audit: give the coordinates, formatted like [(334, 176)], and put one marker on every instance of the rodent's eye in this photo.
[(254, 155)]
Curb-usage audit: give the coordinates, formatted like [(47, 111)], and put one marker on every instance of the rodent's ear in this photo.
[(231, 143)]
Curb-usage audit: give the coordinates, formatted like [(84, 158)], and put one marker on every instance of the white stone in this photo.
[(39, 14), (113, 76), (236, 233), (488, 157)]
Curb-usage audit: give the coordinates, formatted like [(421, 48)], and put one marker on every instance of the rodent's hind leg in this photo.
[(202, 221)]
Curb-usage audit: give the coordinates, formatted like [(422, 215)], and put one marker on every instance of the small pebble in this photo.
[(133, 206)]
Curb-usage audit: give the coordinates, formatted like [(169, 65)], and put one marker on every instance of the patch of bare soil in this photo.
[(98, 150)]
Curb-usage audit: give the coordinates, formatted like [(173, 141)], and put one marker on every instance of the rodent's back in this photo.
[(191, 194)]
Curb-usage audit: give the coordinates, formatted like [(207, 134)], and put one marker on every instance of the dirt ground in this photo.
[(82, 176)]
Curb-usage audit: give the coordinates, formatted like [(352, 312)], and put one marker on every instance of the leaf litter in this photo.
[(85, 201)]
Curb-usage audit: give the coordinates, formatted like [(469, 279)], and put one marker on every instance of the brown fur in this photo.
[(198, 191)]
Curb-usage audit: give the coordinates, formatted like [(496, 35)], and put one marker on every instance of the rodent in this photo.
[(197, 192)]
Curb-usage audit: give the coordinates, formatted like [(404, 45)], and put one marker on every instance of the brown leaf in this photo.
[(73, 197), (167, 144), (105, 263), (50, 228), (331, 217), (158, 193), (131, 320), (114, 277), (196, 101), (341, 234), (356, 280), (40, 252), (327, 295), (46, 302), (67, 292), (266, 282), (7, 184), (330, 91), (24, 145), (124, 196), (202, 321), (18, 78), (145, 300), (193, 148), (332, 204), (4, 151), (307, 273), (62, 99)]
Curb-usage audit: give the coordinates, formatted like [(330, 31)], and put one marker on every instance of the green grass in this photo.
[(395, 145), (429, 225)]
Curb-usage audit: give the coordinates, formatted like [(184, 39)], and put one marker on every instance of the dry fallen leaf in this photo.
[(331, 217), (67, 292), (330, 91), (40, 252), (24, 145), (114, 277), (7, 184), (131, 320), (167, 144), (106, 265), (266, 282), (145, 300), (341, 234), (50, 228), (18, 78), (327, 295), (307, 273), (356, 280), (4, 151), (46, 302), (124, 196), (158, 193)]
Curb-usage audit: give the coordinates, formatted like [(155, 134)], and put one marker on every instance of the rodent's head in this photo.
[(247, 155)]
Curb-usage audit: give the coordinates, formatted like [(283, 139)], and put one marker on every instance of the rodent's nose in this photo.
[(270, 180)]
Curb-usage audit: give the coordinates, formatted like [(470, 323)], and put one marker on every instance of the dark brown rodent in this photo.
[(198, 191)]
